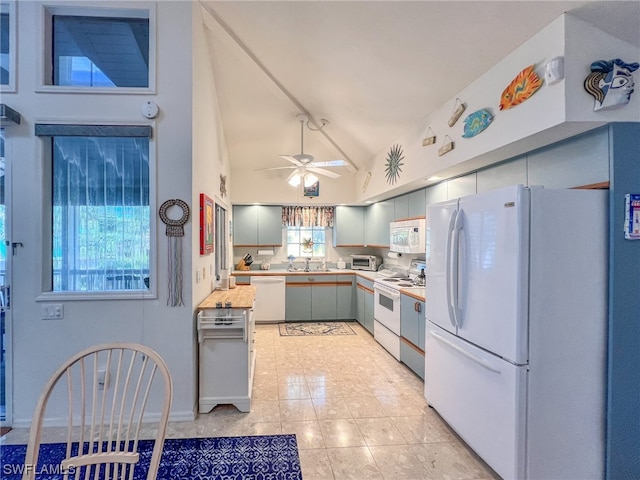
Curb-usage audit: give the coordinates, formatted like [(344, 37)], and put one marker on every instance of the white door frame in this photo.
[(8, 334)]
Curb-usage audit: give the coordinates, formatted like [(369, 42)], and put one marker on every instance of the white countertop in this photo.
[(415, 292)]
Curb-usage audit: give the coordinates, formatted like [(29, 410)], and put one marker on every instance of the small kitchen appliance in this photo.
[(417, 270), (408, 236), (369, 263)]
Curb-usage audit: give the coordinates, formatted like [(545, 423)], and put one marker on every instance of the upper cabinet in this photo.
[(401, 207), (410, 205), (377, 218), (417, 203), (348, 226), (257, 225)]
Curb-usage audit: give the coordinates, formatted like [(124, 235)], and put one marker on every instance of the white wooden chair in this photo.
[(108, 388)]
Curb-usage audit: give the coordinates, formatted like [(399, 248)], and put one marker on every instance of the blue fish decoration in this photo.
[(476, 122)]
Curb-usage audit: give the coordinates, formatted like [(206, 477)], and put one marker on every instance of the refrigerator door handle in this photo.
[(455, 270), (448, 265), (462, 351)]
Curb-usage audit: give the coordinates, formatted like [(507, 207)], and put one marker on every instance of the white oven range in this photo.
[(386, 312)]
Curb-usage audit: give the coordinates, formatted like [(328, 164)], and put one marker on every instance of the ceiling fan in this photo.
[(304, 167)]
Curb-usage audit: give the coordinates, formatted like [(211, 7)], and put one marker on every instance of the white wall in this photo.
[(553, 113), (39, 346), (272, 188)]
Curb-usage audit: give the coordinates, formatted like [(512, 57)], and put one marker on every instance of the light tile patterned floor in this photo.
[(356, 412)]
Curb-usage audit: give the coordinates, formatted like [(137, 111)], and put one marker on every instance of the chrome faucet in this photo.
[(306, 264)]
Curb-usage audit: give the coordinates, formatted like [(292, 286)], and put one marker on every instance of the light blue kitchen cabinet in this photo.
[(417, 203), (412, 332), (348, 226), (257, 225), (359, 304), (582, 160), (410, 205), (245, 225), (311, 297), (368, 311), (324, 299), (371, 224), (401, 207), (436, 193), (269, 225), (386, 216), (364, 303), (297, 303), (345, 305), (462, 186), (378, 216)]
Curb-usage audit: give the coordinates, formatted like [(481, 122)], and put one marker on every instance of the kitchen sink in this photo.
[(312, 270)]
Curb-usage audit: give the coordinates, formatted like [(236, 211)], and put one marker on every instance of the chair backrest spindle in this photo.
[(117, 382)]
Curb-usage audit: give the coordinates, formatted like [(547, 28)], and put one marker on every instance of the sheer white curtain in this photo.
[(101, 213)]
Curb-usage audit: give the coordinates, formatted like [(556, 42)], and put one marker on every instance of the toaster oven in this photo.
[(370, 263)]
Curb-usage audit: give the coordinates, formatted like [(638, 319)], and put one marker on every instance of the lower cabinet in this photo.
[(412, 332), (319, 297), (345, 306), (364, 303), (298, 302)]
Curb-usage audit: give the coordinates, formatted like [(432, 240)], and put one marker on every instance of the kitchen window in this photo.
[(306, 242), (100, 49), (306, 230), (100, 207)]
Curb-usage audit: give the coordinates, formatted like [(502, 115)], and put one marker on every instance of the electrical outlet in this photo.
[(52, 311), (103, 379)]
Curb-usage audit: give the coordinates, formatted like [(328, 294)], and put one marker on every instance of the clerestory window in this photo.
[(100, 49), (100, 207)]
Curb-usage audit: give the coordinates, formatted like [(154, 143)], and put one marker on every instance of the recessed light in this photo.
[(434, 178)]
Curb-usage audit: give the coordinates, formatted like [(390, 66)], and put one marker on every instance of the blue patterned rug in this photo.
[(267, 457)]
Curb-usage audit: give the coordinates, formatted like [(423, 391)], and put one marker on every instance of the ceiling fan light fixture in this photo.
[(295, 179), (310, 179)]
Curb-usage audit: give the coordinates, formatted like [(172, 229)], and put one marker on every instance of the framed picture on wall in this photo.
[(206, 224), (313, 190)]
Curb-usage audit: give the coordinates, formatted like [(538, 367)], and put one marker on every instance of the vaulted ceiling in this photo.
[(373, 69)]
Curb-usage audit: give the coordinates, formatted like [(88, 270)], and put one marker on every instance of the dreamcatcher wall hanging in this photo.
[(175, 232)]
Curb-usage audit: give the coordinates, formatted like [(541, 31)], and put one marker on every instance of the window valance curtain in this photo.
[(307, 216)]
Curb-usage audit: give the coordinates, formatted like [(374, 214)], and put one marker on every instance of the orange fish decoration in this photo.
[(520, 89)]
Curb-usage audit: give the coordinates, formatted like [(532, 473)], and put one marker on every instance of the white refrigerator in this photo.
[(516, 314)]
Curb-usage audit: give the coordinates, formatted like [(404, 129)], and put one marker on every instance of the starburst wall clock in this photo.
[(394, 162)]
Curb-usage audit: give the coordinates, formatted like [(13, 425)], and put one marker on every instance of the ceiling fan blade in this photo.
[(293, 159), (324, 172), (275, 168), (330, 163)]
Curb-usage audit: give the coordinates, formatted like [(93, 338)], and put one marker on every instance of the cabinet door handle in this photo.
[(417, 307)]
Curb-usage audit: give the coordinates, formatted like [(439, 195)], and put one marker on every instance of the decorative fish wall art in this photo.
[(476, 122), (520, 89)]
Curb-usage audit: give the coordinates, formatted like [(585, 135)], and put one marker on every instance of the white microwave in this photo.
[(408, 236)]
